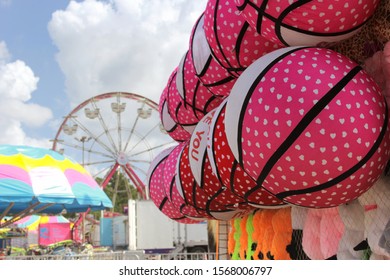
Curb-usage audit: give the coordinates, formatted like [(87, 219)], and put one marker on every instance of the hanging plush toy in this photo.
[(230, 173), (281, 223), (352, 245), (237, 237), (308, 125), (231, 239), (168, 115), (309, 23), (376, 203), (250, 229), (243, 238), (157, 193), (234, 43), (322, 232), (169, 184), (216, 78), (263, 233)]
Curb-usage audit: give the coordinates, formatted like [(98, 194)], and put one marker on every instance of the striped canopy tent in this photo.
[(37, 180)]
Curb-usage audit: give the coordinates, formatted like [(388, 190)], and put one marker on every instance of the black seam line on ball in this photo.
[(211, 199), (279, 20), (163, 203), (157, 165), (279, 23), (300, 128), (165, 103), (212, 144), (203, 164), (240, 38), (177, 114), (249, 95), (346, 174), (192, 44), (179, 218), (216, 36), (220, 82), (206, 66), (261, 11), (243, 5), (183, 79)]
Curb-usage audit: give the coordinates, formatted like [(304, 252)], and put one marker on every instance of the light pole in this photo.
[(83, 140)]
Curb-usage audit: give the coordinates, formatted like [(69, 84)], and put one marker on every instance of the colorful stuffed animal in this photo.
[(376, 203), (322, 232), (236, 236)]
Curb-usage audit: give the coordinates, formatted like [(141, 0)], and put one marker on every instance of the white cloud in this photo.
[(121, 45), (17, 83)]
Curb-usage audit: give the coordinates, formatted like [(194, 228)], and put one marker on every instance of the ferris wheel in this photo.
[(111, 133)]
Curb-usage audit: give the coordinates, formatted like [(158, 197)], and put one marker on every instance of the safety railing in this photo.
[(120, 255)]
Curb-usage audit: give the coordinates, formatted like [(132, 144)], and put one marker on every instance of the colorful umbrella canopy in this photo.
[(36, 180), (32, 222)]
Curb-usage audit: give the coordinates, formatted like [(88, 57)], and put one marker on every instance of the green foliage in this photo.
[(125, 191)]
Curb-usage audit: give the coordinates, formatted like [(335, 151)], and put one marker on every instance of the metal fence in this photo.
[(121, 255)]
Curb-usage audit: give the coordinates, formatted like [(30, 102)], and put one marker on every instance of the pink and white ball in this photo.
[(183, 114), (229, 171), (234, 43), (175, 130), (192, 90), (216, 78), (169, 183), (155, 179), (202, 170), (309, 23), (309, 125), (194, 195)]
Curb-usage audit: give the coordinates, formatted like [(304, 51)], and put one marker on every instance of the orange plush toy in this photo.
[(281, 223)]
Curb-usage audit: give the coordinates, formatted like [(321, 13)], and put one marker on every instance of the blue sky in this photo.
[(56, 54)]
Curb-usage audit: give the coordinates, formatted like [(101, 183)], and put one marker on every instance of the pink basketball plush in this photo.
[(228, 170), (192, 91), (175, 130), (194, 195), (309, 125), (185, 116), (306, 23), (233, 42), (202, 170), (170, 187), (217, 79), (157, 193)]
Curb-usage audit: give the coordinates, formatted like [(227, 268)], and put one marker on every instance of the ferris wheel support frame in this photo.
[(140, 186)]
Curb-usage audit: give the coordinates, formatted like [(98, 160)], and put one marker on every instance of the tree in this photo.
[(125, 190)]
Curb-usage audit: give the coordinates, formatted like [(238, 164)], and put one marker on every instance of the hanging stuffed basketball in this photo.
[(192, 91), (309, 125), (186, 116), (194, 195), (228, 170), (217, 79), (174, 129), (233, 42), (170, 187), (306, 23), (202, 170), (157, 193)]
